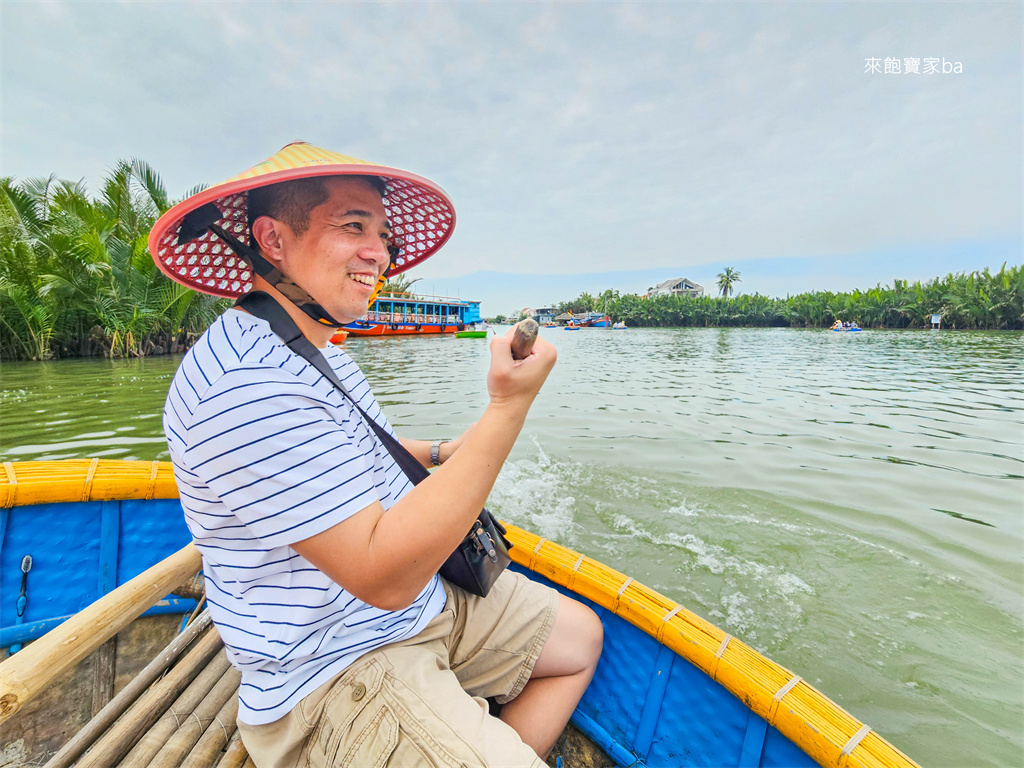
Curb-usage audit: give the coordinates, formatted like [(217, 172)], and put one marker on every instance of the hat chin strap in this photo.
[(291, 290)]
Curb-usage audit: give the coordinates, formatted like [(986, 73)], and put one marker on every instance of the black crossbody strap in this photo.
[(261, 305)]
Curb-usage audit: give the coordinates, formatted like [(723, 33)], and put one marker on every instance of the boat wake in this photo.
[(684, 549)]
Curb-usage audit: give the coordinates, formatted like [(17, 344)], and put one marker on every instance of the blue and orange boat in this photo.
[(401, 314), (106, 543)]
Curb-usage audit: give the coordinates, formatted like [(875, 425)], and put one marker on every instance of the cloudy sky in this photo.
[(585, 145)]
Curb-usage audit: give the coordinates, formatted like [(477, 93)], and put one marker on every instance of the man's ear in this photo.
[(267, 234)]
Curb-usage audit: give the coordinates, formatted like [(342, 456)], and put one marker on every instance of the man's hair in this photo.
[(293, 201)]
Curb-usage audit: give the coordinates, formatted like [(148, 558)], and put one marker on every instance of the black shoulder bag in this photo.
[(481, 557)]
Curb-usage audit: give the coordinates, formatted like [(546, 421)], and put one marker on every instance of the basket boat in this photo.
[(112, 562)]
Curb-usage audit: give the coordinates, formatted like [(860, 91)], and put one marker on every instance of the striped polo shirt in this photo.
[(266, 453)]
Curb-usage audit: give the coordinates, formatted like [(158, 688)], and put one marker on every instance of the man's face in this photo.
[(339, 258)]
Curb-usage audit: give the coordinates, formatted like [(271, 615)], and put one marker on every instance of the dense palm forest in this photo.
[(980, 300), (76, 279)]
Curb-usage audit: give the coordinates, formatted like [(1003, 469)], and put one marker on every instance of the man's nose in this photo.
[(375, 250)]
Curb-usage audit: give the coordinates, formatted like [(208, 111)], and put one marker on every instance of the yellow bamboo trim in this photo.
[(89, 478), (781, 694), (49, 482), (808, 718), (12, 485), (152, 480), (718, 657), (856, 739)]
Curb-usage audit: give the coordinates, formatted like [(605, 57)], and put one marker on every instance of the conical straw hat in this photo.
[(421, 214)]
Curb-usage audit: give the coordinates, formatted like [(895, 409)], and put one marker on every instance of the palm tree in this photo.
[(400, 284), (75, 275), (726, 280)]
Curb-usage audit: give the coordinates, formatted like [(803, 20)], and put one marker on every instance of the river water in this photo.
[(851, 505)]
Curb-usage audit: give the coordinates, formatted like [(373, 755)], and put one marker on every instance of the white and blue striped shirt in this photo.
[(266, 453)]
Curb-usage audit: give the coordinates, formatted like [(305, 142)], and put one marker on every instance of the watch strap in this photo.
[(435, 452)]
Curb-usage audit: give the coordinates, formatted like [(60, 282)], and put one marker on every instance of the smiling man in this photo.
[(321, 558)]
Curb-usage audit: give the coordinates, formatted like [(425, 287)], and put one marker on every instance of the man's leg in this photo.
[(561, 675)]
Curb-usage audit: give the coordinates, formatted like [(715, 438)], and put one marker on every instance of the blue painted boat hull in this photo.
[(646, 706)]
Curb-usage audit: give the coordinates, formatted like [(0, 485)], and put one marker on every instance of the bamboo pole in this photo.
[(235, 754), (150, 740), (113, 745), (220, 732), (195, 721), (104, 660), (25, 674), (95, 727)]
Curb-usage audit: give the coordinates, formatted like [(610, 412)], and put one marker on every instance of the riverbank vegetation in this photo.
[(977, 301), (76, 278)]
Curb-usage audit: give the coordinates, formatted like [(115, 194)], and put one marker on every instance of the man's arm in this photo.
[(386, 557), (420, 449)]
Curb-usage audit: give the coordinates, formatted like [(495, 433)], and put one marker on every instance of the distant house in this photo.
[(678, 286), (545, 314)]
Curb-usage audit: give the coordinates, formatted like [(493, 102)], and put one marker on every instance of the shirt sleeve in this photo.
[(287, 463)]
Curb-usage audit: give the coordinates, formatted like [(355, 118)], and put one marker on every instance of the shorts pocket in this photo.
[(352, 702), (388, 733)]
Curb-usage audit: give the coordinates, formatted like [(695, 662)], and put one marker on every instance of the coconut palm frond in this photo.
[(40, 190), (151, 184)]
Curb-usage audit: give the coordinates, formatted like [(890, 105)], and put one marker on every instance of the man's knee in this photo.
[(575, 642)]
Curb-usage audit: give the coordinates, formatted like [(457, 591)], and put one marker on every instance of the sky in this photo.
[(585, 145)]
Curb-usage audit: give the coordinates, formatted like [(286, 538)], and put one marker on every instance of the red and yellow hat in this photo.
[(421, 214)]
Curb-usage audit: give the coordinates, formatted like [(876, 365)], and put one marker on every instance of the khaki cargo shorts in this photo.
[(420, 702)]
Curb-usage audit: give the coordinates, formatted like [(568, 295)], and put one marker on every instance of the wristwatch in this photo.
[(435, 452)]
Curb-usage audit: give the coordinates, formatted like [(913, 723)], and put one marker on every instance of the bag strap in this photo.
[(261, 305)]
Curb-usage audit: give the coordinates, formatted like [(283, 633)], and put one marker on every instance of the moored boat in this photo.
[(671, 689), (395, 314)]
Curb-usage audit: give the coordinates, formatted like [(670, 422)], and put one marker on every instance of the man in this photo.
[(320, 557)]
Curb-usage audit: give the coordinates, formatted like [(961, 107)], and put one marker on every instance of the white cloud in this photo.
[(573, 138)]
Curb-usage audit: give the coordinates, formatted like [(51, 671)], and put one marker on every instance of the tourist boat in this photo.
[(339, 337), (596, 320), (620, 326), (108, 543), (402, 314)]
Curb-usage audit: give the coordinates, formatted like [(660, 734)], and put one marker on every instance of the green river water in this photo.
[(851, 505)]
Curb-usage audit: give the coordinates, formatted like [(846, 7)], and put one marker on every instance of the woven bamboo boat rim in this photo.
[(820, 727)]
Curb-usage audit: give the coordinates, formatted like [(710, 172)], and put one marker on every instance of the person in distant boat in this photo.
[(837, 325), (321, 558)]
